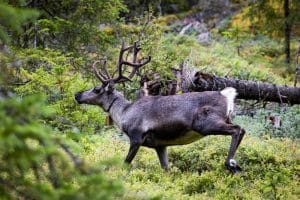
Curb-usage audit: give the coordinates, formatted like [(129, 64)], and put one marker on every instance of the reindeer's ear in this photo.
[(108, 88)]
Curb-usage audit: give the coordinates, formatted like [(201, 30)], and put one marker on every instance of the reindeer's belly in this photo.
[(186, 138)]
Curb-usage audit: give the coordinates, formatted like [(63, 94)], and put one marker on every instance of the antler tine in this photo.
[(137, 66), (133, 64), (122, 50), (105, 68), (98, 74), (121, 62), (136, 50), (121, 78)]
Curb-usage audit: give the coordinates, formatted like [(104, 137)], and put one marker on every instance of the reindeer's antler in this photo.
[(98, 74), (107, 78)]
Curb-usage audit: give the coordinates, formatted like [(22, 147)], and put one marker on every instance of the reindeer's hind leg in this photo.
[(228, 121), (236, 139), (241, 137), (218, 127)]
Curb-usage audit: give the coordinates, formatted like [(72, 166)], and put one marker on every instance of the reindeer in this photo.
[(161, 121)]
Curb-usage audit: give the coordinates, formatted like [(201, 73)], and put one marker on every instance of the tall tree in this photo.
[(276, 18), (12, 20), (70, 25), (287, 31)]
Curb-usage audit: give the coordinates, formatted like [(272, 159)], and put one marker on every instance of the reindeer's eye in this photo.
[(97, 90)]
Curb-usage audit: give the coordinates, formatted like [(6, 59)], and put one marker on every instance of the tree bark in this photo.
[(287, 31), (249, 90), (297, 69)]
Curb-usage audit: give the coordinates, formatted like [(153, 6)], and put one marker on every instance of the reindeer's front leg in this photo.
[(132, 152), (135, 143), (163, 157), (133, 149)]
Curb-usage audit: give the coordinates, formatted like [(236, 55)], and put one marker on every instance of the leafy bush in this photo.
[(56, 76), (12, 19), (219, 58), (33, 164), (259, 126), (40, 137)]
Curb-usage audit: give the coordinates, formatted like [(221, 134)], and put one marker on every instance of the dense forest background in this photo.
[(53, 148)]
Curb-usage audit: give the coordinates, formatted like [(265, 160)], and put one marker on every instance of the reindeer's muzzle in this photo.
[(78, 97)]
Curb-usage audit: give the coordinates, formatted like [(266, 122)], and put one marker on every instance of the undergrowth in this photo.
[(270, 162), (270, 168)]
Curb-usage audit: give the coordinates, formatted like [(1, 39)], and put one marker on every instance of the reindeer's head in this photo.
[(94, 95), (104, 95)]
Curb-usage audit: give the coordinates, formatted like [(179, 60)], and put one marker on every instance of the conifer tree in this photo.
[(276, 17)]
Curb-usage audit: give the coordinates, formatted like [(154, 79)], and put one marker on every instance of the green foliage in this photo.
[(139, 7), (64, 24), (40, 137), (268, 17), (32, 164), (69, 36), (56, 76), (12, 19), (259, 126), (270, 168), (220, 58)]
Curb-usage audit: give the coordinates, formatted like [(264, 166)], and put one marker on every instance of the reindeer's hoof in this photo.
[(233, 167), (236, 170), (242, 131)]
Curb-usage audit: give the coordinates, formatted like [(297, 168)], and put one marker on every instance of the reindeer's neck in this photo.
[(117, 107)]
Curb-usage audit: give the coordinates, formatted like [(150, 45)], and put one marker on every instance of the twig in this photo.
[(76, 160), (258, 90), (53, 175), (279, 95), (21, 83), (227, 74)]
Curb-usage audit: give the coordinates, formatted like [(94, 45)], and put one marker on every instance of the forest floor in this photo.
[(269, 156)]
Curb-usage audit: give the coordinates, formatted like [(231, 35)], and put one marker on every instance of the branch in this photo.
[(53, 174), (76, 160)]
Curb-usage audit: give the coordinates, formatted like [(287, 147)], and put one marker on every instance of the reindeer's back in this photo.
[(180, 102), (171, 112)]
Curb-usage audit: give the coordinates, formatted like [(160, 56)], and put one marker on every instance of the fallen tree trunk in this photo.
[(249, 90)]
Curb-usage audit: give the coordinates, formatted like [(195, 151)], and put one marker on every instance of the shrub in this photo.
[(259, 126), (270, 169), (33, 164), (57, 76)]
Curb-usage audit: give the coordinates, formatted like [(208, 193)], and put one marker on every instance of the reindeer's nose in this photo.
[(78, 96)]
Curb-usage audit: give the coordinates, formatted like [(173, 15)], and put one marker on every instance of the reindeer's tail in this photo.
[(230, 94)]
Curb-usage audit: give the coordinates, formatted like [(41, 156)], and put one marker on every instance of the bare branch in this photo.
[(76, 160)]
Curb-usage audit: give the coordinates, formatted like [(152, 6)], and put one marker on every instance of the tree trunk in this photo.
[(287, 31), (249, 90), (297, 69)]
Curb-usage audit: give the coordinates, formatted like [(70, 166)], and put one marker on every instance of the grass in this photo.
[(271, 168)]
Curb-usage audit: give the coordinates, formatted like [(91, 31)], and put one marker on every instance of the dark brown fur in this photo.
[(161, 121)]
